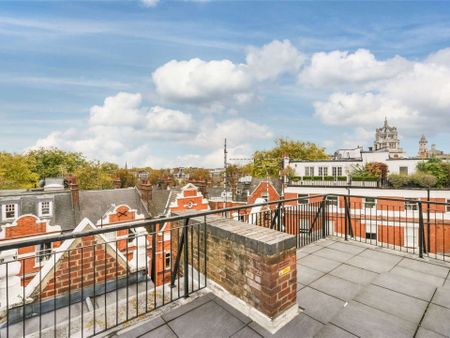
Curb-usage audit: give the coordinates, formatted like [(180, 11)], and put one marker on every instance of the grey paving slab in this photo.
[(319, 263), (373, 264), (365, 321), (354, 274), (319, 305), (424, 333), (306, 275), (179, 311), (143, 327), (310, 248), (301, 326), (405, 285), (424, 267), (437, 319), (246, 332), (300, 286), (442, 297), (337, 287), (379, 255), (301, 254), (207, 320), (335, 255), (347, 247), (160, 332), (332, 331), (402, 306), (325, 242), (419, 276), (243, 318)]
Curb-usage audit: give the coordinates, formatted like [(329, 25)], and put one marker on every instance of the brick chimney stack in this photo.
[(146, 192), (75, 195)]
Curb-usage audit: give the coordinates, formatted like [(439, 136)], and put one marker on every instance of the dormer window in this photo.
[(45, 208), (9, 211)]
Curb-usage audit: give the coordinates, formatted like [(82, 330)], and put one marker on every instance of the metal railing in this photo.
[(93, 279)]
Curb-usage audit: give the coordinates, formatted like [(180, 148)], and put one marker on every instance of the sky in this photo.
[(162, 83)]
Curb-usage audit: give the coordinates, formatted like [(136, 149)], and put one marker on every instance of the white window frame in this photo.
[(411, 204), (333, 201), (371, 228), (336, 171), (50, 209), (43, 253), (309, 171), (167, 255), (16, 211), (372, 204)]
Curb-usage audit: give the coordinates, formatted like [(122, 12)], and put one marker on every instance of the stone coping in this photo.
[(260, 239)]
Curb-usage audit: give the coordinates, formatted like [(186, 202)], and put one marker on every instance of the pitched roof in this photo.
[(94, 203)]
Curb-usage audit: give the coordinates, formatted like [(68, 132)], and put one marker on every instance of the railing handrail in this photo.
[(107, 228), (393, 199)]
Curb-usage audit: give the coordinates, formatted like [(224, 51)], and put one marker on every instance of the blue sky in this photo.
[(162, 85)]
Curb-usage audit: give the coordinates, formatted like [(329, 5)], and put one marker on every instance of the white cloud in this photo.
[(121, 109), (149, 3), (123, 129), (413, 95), (273, 59), (201, 81), (360, 109), (337, 69), (218, 81), (237, 130)]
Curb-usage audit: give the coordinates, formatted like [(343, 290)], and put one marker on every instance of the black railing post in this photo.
[(186, 259), (176, 267), (324, 204), (421, 230), (345, 215), (428, 220), (280, 217), (153, 267)]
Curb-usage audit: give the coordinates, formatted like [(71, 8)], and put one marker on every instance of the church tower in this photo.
[(423, 147), (386, 139)]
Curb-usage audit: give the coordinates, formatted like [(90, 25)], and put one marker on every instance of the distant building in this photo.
[(426, 153), (386, 139)]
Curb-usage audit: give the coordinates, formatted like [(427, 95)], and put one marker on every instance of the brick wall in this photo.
[(255, 264), (81, 273)]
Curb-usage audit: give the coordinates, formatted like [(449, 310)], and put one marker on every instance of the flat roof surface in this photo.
[(345, 289)]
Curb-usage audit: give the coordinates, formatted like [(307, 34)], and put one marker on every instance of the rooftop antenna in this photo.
[(225, 165)]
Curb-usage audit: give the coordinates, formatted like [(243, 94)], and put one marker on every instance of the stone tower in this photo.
[(386, 139), (423, 147)]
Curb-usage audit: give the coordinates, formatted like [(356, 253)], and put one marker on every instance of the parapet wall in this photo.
[(253, 268)]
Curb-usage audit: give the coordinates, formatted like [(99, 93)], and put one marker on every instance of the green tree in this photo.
[(53, 162), (199, 174), (15, 172), (268, 162), (438, 169), (127, 178), (91, 176)]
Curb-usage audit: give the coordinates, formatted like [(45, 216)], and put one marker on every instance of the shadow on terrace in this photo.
[(325, 266)]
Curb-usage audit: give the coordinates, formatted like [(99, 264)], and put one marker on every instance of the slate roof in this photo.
[(245, 188), (159, 203), (95, 203), (63, 214)]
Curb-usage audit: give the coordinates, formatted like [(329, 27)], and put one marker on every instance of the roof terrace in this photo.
[(344, 289), (329, 266)]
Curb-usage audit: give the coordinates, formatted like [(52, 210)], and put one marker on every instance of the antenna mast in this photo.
[(225, 176)]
